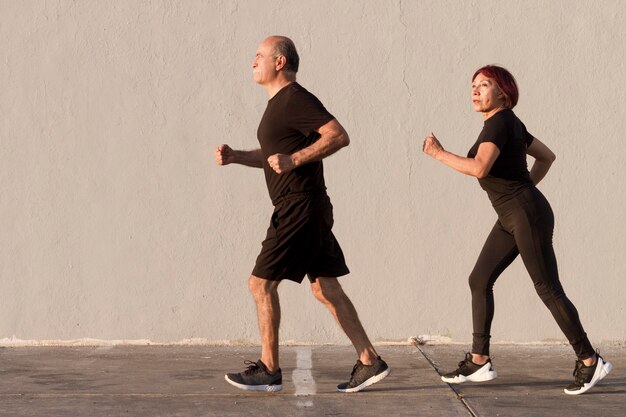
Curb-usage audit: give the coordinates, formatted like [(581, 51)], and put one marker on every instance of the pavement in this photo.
[(189, 381)]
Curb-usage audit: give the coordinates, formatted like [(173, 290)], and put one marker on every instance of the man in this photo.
[(295, 134)]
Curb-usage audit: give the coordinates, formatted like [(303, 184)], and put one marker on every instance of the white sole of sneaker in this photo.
[(266, 388), (602, 370), (486, 373), (368, 382)]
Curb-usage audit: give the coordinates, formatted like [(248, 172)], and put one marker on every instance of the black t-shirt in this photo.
[(288, 125), (509, 174)]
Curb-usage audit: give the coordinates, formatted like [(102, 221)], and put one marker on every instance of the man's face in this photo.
[(264, 64)]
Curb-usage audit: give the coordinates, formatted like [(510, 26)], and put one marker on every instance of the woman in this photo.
[(525, 224)]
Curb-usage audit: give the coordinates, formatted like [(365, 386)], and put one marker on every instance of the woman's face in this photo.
[(486, 95)]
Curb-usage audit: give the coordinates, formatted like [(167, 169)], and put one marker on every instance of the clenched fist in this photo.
[(281, 163), (431, 145), (224, 155)]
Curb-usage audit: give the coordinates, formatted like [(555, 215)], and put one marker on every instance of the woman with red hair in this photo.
[(525, 225)]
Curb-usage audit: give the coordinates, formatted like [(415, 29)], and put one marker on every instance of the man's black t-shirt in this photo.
[(509, 174), (288, 125)]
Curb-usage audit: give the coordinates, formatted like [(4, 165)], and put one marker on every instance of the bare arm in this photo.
[(544, 158), (332, 138), (478, 167), (224, 155)]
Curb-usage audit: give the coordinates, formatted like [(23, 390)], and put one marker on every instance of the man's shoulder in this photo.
[(298, 96), (297, 90)]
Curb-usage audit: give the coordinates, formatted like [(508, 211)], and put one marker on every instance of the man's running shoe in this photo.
[(363, 376), (468, 371), (256, 378), (585, 377)]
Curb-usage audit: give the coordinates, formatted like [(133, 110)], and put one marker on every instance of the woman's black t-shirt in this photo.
[(509, 174), (288, 125)]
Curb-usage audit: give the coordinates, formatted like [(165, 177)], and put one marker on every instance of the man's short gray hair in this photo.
[(286, 47)]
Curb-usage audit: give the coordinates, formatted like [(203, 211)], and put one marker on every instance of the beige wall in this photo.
[(115, 223)]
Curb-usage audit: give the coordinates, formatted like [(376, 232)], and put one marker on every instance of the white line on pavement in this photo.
[(302, 376)]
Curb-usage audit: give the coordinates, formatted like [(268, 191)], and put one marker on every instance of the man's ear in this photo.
[(281, 61)]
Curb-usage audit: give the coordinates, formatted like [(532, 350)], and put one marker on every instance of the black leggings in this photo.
[(525, 225)]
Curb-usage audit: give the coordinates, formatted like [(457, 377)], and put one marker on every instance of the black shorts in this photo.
[(299, 241)]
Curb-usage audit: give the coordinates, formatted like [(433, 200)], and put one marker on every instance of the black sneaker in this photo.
[(365, 375), (585, 377), (468, 371), (256, 378)]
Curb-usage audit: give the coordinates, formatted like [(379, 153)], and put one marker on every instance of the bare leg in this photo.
[(265, 293), (590, 361), (479, 359), (330, 293)]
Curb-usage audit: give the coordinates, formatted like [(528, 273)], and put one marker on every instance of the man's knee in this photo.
[(327, 290), (260, 287)]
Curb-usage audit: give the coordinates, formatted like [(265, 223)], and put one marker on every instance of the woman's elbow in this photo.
[(552, 157), (547, 159), (547, 156)]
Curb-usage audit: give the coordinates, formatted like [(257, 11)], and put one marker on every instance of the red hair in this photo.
[(505, 81)]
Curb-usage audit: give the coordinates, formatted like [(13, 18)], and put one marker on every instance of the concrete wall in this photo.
[(115, 223)]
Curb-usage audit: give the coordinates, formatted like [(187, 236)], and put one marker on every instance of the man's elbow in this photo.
[(340, 139), (345, 140), (481, 172)]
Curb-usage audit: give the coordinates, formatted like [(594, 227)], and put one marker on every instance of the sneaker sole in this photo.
[(266, 388), (486, 373), (601, 372), (368, 382)]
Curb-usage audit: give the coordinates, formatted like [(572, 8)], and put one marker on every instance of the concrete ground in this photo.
[(189, 381)]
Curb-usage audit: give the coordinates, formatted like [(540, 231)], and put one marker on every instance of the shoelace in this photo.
[(253, 367), (578, 376), (463, 363), (354, 370)]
